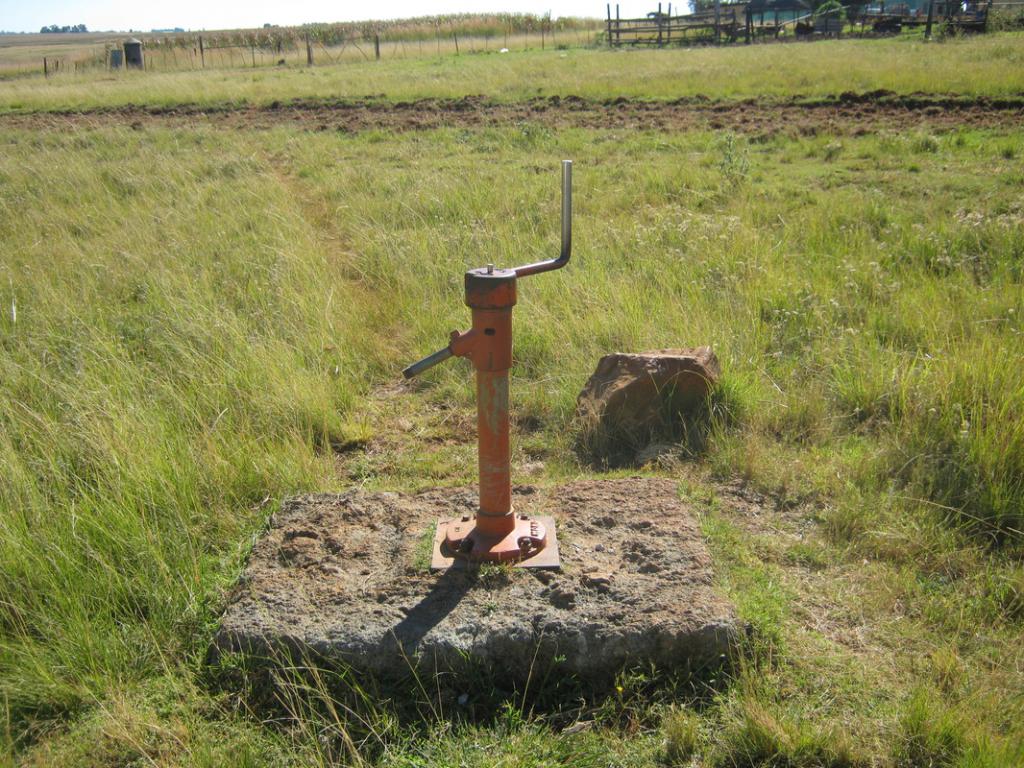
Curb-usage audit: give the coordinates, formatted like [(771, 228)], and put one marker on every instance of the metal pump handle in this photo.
[(529, 269), (566, 252)]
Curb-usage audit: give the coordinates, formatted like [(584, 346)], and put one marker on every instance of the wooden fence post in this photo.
[(931, 18), (376, 46), (309, 52), (609, 9), (202, 53), (46, 71)]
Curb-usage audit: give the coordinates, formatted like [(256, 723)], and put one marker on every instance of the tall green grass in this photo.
[(193, 323), (158, 388)]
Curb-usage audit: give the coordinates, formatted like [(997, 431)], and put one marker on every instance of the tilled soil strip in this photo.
[(844, 114)]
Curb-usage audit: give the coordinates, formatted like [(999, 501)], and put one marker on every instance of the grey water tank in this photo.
[(116, 58), (133, 53)]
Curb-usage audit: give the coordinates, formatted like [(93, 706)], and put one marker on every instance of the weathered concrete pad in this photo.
[(345, 576)]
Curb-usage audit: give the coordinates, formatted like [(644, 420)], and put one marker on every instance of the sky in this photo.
[(30, 15)]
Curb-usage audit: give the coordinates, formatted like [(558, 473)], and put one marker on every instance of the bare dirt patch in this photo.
[(344, 576), (843, 114)]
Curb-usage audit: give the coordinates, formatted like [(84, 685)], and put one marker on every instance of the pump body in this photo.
[(496, 533)]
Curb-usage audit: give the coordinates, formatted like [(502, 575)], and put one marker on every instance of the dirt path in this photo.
[(845, 114)]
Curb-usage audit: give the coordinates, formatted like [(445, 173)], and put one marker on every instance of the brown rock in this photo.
[(632, 399)]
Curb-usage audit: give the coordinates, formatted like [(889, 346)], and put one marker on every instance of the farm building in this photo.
[(776, 11)]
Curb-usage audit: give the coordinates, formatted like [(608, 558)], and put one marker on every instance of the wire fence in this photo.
[(299, 48)]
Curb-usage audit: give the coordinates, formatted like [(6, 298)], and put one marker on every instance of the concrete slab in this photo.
[(347, 577)]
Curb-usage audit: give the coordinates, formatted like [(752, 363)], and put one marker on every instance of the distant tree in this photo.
[(54, 28), (830, 8)]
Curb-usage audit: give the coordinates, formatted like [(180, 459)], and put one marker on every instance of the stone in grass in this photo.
[(345, 577), (633, 401)]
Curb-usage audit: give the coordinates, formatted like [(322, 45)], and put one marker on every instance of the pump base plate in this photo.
[(545, 558)]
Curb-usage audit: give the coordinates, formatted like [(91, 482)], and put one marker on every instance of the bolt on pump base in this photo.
[(496, 533)]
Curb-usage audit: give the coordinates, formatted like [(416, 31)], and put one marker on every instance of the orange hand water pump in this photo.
[(496, 533)]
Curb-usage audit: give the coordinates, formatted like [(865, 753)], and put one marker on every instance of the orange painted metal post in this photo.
[(496, 533), (491, 294), (493, 449)]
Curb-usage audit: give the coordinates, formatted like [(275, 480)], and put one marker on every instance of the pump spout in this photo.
[(427, 362), (566, 252)]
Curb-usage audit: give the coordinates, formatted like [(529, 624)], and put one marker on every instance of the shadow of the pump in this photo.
[(449, 589)]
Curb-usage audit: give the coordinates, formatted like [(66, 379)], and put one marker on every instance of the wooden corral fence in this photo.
[(722, 23), (948, 15), (662, 28), (1013, 9), (751, 20)]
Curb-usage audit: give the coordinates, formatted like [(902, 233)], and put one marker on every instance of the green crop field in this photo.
[(197, 322)]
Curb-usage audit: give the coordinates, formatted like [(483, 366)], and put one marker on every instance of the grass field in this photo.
[(194, 320), (988, 66)]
